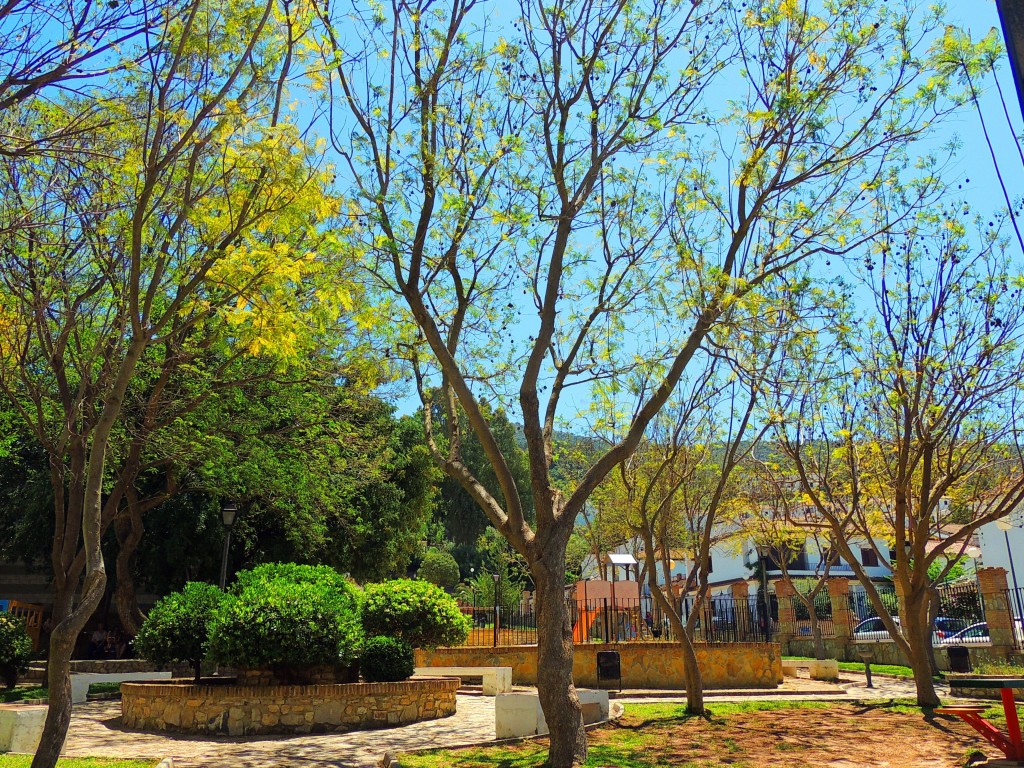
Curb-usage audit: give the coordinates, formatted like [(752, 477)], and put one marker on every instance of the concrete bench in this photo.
[(80, 681), (520, 714), (818, 669), (496, 679), (21, 727)]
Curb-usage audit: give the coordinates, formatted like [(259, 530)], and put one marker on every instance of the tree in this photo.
[(923, 405), (323, 474), (463, 520), (439, 568), (543, 210), (778, 519), (49, 48), (180, 209)]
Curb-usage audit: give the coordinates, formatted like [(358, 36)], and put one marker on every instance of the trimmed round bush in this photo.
[(15, 649), (386, 660), (420, 613), (282, 620), (291, 572), (177, 627), (439, 568)]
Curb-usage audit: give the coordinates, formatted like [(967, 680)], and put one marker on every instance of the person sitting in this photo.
[(97, 643)]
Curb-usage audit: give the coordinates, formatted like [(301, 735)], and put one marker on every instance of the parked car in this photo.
[(872, 628), (978, 633)]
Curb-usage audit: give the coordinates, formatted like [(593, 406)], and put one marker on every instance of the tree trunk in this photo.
[(129, 529), (819, 641), (691, 674), (918, 635), (58, 678), (933, 611), (555, 686)]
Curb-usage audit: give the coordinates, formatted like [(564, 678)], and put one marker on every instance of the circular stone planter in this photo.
[(225, 708)]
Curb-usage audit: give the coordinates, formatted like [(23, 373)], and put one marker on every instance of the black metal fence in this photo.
[(867, 624), (822, 614), (620, 620), (960, 617), (1015, 603)]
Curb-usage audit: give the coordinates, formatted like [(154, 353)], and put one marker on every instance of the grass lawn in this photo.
[(24, 761), (857, 666), (17, 694), (756, 734), (39, 692)]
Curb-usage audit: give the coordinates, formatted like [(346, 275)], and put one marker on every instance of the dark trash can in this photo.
[(609, 667), (959, 658)]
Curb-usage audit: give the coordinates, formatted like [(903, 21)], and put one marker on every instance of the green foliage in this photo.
[(326, 476), (15, 648), (288, 615), (439, 568), (177, 627), (293, 573), (386, 660), (464, 521), (418, 612)]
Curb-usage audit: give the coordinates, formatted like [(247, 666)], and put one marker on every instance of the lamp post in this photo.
[(1005, 526), (497, 590), (763, 551), (228, 511)]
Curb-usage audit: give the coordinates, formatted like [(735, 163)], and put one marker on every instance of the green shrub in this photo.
[(418, 612), (293, 616), (176, 628), (15, 649), (439, 568), (291, 572), (386, 660)]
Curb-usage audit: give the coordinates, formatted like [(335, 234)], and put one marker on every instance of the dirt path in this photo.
[(841, 736)]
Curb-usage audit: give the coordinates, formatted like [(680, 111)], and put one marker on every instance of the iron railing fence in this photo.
[(1015, 605), (822, 614), (867, 625), (720, 619), (960, 615)]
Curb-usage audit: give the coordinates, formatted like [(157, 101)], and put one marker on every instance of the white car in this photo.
[(978, 633), (872, 628)]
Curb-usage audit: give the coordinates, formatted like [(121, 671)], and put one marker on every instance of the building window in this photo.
[(869, 557)]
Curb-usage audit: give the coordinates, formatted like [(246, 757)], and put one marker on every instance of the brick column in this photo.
[(741, 594), (842, 616), (993, 588), (787, 616)]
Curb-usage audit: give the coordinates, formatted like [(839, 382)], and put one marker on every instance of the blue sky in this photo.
[(972, 166)]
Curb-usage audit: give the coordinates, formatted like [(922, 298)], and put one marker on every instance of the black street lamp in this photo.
[(1011, 17), (228, 512), (763, 553), (1005, 526)]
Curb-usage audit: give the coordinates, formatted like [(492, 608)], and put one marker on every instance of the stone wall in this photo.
[(643, 665), (240, 710), (887, 652)]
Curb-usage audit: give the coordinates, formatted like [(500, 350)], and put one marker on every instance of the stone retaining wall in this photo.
[(644, 665), (887, 652), (240, 710)]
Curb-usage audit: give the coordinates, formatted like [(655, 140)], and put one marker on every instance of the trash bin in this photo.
[(609, 667), (959, 658)]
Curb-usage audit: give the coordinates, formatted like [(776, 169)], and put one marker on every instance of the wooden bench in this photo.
[(960, 709), (818, 669), (80, 681), (495, 679), (21, 727)]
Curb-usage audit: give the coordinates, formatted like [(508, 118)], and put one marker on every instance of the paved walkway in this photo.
[(96, 729)]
